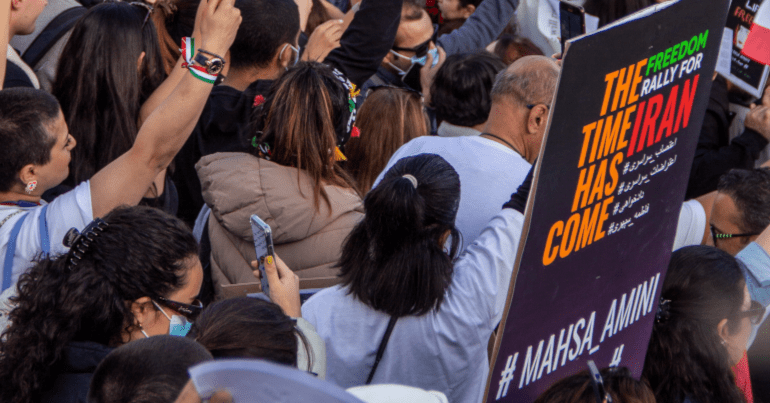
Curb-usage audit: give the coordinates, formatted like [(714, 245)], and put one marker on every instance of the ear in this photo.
[(16, 4), (538, 118), (722, 330), (139, 61), (141, 309), (389, 57), (468, 11), (27, 174), (443, 238), (285, 55)]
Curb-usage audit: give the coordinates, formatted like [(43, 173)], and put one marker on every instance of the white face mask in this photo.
[(178, 325)]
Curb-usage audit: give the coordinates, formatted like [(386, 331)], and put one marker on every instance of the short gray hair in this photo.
[(535, 83)]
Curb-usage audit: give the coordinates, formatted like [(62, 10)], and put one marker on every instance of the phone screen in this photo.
[(572, 21), (263, 246)]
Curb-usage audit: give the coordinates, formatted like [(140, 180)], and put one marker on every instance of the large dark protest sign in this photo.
[(603, 212), (738, 68)]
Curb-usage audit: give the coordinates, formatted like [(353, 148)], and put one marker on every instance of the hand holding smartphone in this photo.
[(263, 246)]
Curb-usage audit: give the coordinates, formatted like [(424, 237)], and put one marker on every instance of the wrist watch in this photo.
[(213, 64)]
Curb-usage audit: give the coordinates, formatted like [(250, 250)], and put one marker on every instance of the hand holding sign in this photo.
[(758, 118)]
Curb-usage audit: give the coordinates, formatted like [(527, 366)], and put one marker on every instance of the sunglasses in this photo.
[(420, 50), (190, 311), (715, 235), (144, 6), (755, 313)]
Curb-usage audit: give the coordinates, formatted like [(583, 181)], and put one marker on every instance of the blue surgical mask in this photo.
[(421, 60), (178, 325)]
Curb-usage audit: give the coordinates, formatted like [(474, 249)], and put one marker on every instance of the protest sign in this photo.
[(745, 73), (608, 189)]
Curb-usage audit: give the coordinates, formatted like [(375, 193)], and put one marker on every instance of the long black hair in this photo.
[(99, 87), (143, 252), (393, 260), (685, 357)]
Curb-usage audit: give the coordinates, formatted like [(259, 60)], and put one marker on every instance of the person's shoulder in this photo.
[(16, 77)]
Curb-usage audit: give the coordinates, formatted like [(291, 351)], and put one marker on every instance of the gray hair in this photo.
[(533, 82)]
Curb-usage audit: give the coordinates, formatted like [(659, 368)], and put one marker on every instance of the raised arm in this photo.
[(367, 40), (481, 28), (125, 180)]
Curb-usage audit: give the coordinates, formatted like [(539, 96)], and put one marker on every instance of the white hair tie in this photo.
[(411, 179)]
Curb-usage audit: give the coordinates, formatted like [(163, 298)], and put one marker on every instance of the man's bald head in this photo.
[(529, 80)]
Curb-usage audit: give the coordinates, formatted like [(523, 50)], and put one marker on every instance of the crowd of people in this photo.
[(390, 146)]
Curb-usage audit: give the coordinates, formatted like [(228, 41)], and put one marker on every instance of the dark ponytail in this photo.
[(393, 260), (141, 252)]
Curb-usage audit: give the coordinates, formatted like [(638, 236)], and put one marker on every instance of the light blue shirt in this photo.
[(445, 350)]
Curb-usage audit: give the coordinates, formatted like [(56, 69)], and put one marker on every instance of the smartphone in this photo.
[(572, 19), (263, 245)]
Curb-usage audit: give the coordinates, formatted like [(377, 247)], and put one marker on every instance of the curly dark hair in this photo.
[(750, 190), (142, 252), (685, 358), (395, 250)]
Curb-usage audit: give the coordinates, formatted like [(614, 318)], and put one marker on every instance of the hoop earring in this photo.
[(31, 187)]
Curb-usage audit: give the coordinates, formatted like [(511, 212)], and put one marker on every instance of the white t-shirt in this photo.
[(444, 350), (489, 173), (692, 224), (72, 209)]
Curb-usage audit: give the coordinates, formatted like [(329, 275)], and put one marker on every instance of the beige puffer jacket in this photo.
[(237, 185)]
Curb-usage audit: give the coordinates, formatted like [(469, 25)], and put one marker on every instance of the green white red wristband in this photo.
[(188, 51)]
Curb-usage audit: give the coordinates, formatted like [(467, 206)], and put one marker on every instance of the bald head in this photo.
[(529, 80)]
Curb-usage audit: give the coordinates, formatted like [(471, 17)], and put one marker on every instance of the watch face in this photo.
[(214, 66)]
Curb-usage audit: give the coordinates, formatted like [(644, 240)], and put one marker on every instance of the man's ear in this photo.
[(285, 56), (16, 4), (538, 118), (389, 57), (468, 11)]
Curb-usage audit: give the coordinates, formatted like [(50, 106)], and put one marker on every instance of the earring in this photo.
[(31, 187)]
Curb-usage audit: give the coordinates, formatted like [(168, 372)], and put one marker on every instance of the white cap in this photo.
[(390, 393)]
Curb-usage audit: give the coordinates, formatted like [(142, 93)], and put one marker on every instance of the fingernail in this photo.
[(269, 259)]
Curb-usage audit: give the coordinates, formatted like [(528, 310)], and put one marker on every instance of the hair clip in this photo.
[(79, 242), (355, 132), (664, 311), (352, 94), (411, 179)]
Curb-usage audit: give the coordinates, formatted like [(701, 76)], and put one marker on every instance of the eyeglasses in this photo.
[(598, 384), (189, 311), (715, 235), (754, 314), (144, 6)]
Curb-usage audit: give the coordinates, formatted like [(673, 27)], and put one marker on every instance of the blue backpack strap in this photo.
[(43, 226), (10, 251)]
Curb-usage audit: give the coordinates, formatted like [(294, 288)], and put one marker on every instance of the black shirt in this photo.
[(16, 77)]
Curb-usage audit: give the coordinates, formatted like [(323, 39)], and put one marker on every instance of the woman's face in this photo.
[(152, 320), (736, 343)]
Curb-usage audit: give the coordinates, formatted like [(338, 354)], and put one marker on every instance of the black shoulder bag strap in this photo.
[(55, 29), (381, 349)]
